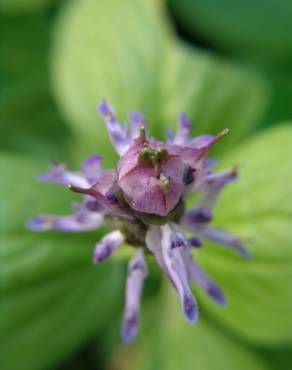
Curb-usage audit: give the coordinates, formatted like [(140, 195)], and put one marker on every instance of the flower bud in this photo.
[(151, 177)]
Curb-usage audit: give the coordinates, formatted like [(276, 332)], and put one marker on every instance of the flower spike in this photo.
[(143, 202)]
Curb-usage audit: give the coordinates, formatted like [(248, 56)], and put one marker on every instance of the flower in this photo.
[(143, 201)]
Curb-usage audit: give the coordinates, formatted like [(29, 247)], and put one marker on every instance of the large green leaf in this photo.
[(139, 64), (212, 91), (23, 197), (52, 298), (170, 343), (280, 83), (30, 122), (23, 6), (258, 207), (253, 26), (201, 347)]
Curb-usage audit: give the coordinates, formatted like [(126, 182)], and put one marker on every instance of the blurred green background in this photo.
[(227, 64)]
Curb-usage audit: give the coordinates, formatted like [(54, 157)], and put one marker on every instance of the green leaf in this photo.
[(280, 83), (30, 122), (140, 64), (23, 6), (258, 207), (257, 27), (22, 196), (52, 298), (171, 343), (215, 93), (205, 345), (280, 358)]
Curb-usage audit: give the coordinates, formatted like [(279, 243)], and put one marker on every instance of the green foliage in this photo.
[(52, 298), (168, 342), (23, 197), (201, 347), (259, 208), (23, 6), (139, 64), (30, 122), (215, 93), (280, 84), (257, 27)]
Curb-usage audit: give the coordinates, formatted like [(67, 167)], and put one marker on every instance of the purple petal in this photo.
[(209, 164), (120, 135), (106, 110), (107, 246), (216, 294), (138, 121), (92, 168), (184, 122), (74, 223), (59, 174), (137, 272), (194, 152), (222, 237), (190, 308), (41, 223), (153, 243), (212, 184), (101, 191), (184, 130), (170, 135), (130, 327), (216, 181), (175, 260), (195, 242), (177, 240), (189, 156), (198, 215), (201, 278), (201, 141), (204, 143), (92, 205)]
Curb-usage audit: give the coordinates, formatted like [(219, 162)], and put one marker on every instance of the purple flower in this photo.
[(145, 198), (137, 272), (107, 246)]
